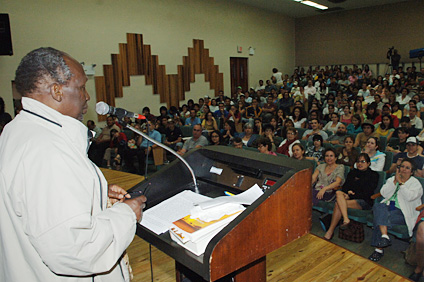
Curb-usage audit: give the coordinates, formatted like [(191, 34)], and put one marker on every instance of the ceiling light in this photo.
[(312, 4)]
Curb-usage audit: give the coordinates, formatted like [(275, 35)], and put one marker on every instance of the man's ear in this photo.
[(56, 92)]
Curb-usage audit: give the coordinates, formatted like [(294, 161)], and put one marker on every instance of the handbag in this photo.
[(354, 232)]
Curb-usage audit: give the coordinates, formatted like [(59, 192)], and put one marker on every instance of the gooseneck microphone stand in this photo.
[(120, 119)]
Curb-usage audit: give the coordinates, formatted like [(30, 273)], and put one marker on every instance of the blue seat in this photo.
[(383, 143), (187, 130), (300, 132), (388, 161)]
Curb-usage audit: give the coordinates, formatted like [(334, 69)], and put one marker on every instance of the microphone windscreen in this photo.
[(102, 108)]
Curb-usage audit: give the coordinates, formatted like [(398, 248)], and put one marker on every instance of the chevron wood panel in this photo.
[(99, 82), (124, 64), (135, 58), (117, 75)]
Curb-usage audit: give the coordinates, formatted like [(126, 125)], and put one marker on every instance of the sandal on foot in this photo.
[(376, 256), (384, 242)]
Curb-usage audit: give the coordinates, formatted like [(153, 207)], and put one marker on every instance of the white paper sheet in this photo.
[(160, 217), (245, 198)]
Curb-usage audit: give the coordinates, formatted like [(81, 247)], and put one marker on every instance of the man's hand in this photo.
[(137, 205), (116, 193)]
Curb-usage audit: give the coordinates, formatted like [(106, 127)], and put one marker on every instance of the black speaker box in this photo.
[(5, 36)]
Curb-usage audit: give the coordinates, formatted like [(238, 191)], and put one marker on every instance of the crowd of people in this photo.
[(334, 117)]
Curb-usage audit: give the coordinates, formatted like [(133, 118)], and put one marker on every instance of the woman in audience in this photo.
[(277, 130), (298, 117), (355, 127), (264, 146), (356, 193), (370, 114), (358, 110), (247, 137), (326, 178), (287, 124), (184, 113), (281, 117), (298, 152), (215, 138), (209, 123), (403, 99), (391, 98), (346, 117), (214, 106), (377, 158), (205, 111), (229, 131), (347, 154), (190, 104), (286, 147), (385, 128), (402, 194), (316, 151), (322, 90), (241, 108), (333, 125), (396, 110), (257, 126)]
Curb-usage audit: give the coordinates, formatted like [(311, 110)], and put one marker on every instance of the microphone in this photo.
[(104, 109)]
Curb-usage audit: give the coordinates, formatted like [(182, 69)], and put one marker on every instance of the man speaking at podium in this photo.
[(54, 224)]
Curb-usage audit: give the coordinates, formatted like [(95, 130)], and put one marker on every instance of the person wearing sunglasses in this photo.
[(360, 184), (401, 195)]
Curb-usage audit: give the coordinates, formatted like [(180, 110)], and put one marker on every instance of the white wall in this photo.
[(90, 30)]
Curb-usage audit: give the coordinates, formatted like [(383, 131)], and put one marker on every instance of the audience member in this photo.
[(247, 136), (286, 146), (401, 195), (362, 138), (173, 136), (356, 193), (326, 178), (411, 153), (347, 154), (215, 138), (209, 123), (385, 128), (398, 145), (308, 134), (298, 117), (102, 142), (265, 145), (197, 141), (229, 132), (193, 119), (339, 137), (355, 127), (237, 143), (316, 151), (92, 126), (334, 124), (377, 158)]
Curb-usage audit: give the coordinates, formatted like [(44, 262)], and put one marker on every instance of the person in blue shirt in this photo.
[(193, 119), (145, 146)]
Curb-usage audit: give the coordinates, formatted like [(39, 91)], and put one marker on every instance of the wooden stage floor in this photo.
[(309, 258)]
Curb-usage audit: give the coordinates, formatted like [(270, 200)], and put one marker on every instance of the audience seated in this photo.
[(316, 151), (377, 158), (173, 136), (264, 146), (411, 153), (215, 138), (247, 135), (356, 193), (326, 178), (192, 119), (401, 195), (308, 134), (347, 154), (197, 141), (338, 137), (362, 138), (101, 143)]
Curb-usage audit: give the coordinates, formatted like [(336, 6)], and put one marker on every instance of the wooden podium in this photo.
[(282, 214)]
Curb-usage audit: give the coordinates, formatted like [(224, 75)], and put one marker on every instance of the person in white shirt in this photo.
[(54, 222), (310, 92), (261, 86), (364, 91), (415, 120), (404, 98), (278, 76)]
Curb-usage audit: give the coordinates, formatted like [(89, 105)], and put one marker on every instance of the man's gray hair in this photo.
[(41, 64)]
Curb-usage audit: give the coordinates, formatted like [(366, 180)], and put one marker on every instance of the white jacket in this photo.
[(54, 225), (409, 197)]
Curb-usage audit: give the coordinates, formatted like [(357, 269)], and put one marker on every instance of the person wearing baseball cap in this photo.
[(362, 138), (412, 149)]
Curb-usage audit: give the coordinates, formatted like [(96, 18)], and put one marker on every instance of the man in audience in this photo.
[(197, 141), (364, 91), (338, 138), (362, 138), (102, 142), (415, 120), (310, 92), (261, 86), (270, 108), (54, 224), (92, 126), (411, 153), (397, 146), (193, 119), (237, 143), (173, 135), (221, 112), (405, 122), (269, 86), (308, 134)]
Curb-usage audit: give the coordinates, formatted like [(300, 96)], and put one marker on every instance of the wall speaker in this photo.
[(5, 36)]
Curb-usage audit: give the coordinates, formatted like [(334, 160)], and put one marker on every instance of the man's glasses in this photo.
[(361, 161)]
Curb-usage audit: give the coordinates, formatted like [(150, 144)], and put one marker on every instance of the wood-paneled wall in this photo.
[(135, 58)]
